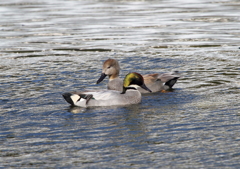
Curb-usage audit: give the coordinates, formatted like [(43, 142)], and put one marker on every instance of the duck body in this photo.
[(103, 98), (159, 82), (155, 82), (128, 95)]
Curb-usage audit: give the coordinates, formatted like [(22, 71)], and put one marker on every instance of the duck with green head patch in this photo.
[(129, 95), (134, 81)]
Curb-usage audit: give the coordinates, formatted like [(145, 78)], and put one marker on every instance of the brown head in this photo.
[(110, 68)]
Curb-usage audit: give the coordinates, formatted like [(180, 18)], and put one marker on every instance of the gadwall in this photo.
[(155, 82)]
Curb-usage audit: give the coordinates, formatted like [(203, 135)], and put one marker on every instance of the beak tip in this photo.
[(146, 88), (103, 75)]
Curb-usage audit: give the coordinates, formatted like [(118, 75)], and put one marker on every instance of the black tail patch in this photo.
[(171, 82), (67, 97)]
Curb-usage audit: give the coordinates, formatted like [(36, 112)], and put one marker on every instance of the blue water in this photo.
[(47, 48)]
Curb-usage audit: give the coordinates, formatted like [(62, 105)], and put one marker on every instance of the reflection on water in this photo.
[(48, 48)]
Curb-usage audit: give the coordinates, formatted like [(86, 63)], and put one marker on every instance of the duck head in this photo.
[(132, 81), (110, 68)]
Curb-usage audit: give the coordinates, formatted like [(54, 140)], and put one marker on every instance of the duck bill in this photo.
[(103, 75), (145, 87)]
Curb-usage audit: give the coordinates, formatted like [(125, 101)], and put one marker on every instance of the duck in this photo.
[(155, 82), (128, 95)]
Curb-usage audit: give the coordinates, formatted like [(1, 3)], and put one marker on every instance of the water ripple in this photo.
[(49, 47)]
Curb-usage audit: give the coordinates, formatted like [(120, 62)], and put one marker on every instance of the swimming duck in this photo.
[(155, 82), (128, 95)]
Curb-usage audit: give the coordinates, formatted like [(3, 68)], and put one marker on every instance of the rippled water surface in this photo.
[(50, 47)]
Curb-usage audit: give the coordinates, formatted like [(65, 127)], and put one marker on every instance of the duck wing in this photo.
[(103, 95), (150, 78)]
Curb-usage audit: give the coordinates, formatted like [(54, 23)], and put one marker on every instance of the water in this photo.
[(50, 47)]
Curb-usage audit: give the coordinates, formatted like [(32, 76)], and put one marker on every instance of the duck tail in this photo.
[(77, 99), (171, 82), (68, 98)]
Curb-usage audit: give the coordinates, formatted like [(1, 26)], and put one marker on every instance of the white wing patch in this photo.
[(78, 101), (75, 98)]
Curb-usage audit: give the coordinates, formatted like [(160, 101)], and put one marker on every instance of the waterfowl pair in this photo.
[(155, 82), (128, 95)]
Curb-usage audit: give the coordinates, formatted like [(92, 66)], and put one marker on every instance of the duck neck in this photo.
[(113, 76), (126, 88)]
